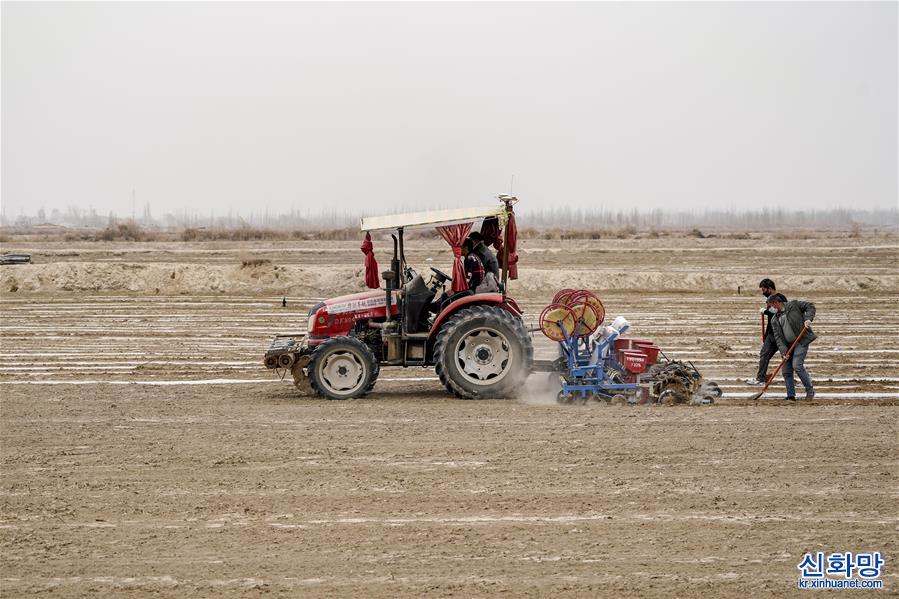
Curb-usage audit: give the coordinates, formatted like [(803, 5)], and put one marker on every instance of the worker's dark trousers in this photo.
[(769, 348), (796, 364)]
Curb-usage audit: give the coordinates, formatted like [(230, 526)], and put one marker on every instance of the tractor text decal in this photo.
[(355, 305)]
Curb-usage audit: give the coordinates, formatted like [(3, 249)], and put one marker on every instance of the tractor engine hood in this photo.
[(338, 315)]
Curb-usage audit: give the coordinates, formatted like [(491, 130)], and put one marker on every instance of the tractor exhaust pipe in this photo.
[(395, 261), (392, 276), (389, 277)]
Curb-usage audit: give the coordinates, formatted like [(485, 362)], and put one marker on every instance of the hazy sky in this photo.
[(374, 106)]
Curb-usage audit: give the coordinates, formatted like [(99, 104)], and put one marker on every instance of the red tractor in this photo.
[(477, 342)]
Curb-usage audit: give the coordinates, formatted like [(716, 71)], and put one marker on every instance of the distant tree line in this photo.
[(764, 219), (538, 218)]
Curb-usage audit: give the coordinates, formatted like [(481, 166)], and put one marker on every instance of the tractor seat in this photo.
[(417, 298)]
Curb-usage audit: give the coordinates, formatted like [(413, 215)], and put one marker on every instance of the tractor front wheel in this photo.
[(342, 368), (483, 352)]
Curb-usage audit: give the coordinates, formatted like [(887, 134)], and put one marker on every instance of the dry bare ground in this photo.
[(145, 451)]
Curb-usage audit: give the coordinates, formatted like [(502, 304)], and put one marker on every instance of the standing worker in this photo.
[(769, 346), (790, 319)]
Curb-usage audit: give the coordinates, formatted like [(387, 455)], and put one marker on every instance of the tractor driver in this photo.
[(480, 280), (488, 259), (474, 268)]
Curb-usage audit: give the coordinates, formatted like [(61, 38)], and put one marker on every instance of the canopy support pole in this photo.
[(505, 262)]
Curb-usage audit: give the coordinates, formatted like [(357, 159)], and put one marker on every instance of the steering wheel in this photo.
[(441, 276)]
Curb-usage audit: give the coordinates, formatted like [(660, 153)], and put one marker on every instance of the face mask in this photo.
[(772, 309)]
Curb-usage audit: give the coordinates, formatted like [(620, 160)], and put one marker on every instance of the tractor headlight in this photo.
[(313, 314), (318, 322)]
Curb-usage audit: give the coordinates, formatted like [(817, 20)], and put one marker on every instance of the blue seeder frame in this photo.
[(582, 376)]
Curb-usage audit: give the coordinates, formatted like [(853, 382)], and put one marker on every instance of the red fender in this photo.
[(493, 299)]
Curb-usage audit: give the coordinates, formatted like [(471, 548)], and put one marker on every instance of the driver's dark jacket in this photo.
[(488, 259), (474, 269)]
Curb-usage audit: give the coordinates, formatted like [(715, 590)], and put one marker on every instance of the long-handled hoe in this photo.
[(779, 366)]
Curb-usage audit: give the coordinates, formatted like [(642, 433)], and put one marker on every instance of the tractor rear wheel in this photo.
[(483, 352), (342, 368)]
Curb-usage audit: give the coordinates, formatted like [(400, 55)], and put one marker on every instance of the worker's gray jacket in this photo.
[(787, 324), (488, 259)]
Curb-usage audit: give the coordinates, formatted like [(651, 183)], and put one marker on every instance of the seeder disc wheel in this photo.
[(674, 393), (564, 398), (556, 321), (600, 397), (711, 389)]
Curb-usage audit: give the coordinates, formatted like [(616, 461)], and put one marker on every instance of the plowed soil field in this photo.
[(146, 451)]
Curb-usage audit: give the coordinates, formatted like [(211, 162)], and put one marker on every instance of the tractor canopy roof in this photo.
[(432, 218)]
